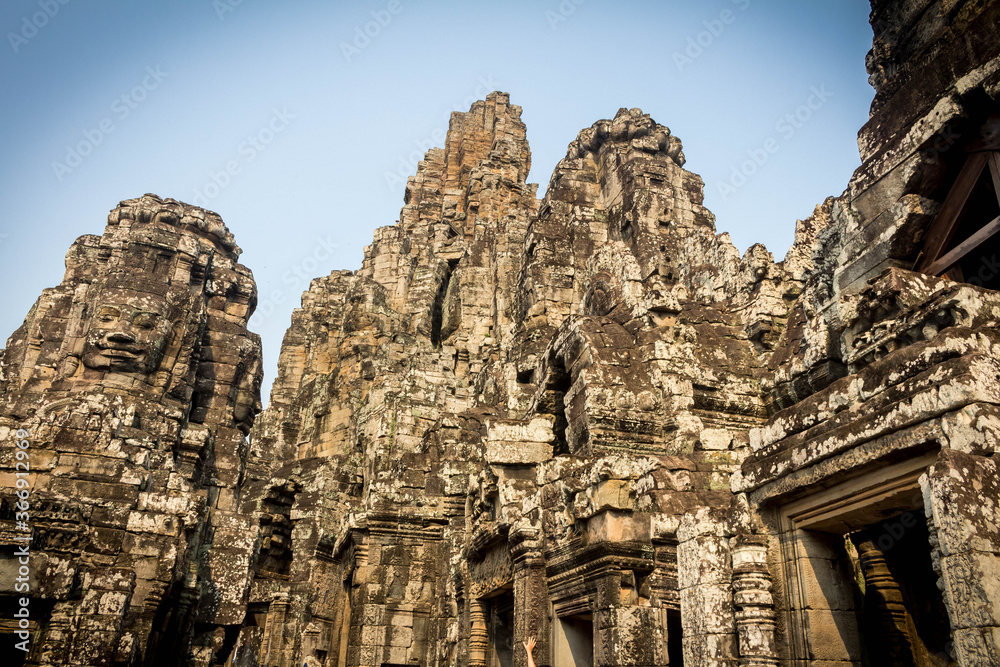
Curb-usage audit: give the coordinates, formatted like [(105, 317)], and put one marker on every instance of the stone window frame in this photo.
[(820, 623)]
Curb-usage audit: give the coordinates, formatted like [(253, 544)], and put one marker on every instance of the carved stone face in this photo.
[(127, 335)]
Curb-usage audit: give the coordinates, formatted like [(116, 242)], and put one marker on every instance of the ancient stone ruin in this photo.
[(584, 419), (135, 383)]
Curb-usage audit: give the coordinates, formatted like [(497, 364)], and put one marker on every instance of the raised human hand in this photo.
[(529, 645)]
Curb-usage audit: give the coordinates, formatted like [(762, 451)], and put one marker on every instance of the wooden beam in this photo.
[(995, 172), (964, 248), (942, 229)]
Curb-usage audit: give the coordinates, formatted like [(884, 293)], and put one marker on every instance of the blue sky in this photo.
[(317, 121)]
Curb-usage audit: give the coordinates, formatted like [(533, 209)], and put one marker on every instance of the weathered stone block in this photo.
[(833, 635)]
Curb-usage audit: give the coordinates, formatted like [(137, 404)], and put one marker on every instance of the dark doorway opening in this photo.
[(39, 612), (553, 402), (501, 630), (675, 647)]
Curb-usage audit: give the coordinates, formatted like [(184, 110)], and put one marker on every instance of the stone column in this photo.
[(58, 636), (755, 621), (884, 601), (606, 603), (630, 636), (822, 624), (531, 602), (276, 613), (704, 572), (479, 638), (960, 493)]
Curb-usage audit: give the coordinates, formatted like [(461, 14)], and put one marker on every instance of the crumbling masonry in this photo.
[(583, 418)]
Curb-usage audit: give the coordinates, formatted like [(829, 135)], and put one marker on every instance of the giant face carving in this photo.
[(127, 334)]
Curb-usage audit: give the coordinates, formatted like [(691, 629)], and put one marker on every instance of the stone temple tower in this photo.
[(584, 419), (135, 382)]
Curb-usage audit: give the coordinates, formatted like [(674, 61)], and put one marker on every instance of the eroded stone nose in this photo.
[(121, 336)]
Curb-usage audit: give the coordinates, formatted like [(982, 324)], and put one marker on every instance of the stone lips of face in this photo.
[(127, 333)]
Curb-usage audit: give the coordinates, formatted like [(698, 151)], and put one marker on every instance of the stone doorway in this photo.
[(675, 633), (858, 582), (9, 654)]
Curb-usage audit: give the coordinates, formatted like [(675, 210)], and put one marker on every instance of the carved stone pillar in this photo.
[(966, 548), (58, 637), (479, 639), (531, 601), (884, 603), (755, 620), (275, 625), (704, 573)]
